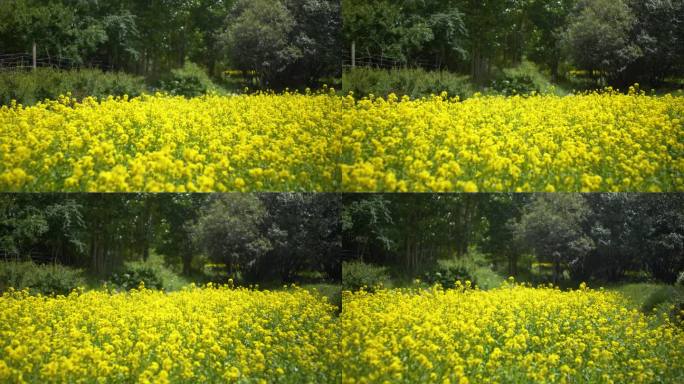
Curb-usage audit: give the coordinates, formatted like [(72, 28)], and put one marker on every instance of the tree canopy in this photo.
[(285, 42), (621, 41)]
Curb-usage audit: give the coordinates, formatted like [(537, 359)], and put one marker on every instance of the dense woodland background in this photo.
[(506, 45), (558, 238), (123, 239), (263, 43)]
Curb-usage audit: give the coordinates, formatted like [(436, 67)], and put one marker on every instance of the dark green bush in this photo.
[(521, 80), (446, 273), (134, 274), (677, 312), (415, 83), (30, 87), (664, 296), (357, 275), (39, 278), (514, 85), (189, 81)]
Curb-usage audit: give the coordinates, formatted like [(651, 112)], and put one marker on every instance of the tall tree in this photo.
[(552, 226)]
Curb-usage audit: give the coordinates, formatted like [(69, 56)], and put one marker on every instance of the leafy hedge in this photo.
[(189, 81), (447, 272), (40, 278), (357, 275), (30, 87), (415, 83)]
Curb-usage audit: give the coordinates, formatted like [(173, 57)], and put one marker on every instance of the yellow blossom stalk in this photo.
[(197, 335), (512, 334), (600, 141)]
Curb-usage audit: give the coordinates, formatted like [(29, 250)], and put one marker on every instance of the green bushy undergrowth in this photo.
[(522, 80), (30, 87), (357, 275), (667, 300), (447, 272), (46, 279), (415, 83), (189, 81), (153, 273)]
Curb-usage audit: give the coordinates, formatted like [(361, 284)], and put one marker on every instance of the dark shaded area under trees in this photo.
[(289, 43), (252, 238), (592, 237), (616, 42)]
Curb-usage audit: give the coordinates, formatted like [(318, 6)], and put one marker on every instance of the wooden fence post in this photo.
[(353, 54), (34, 56)]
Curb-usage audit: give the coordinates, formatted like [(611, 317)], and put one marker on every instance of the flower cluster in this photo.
[(321, 142), (261, 142), (197, 335), (512, 334), (590, 142)]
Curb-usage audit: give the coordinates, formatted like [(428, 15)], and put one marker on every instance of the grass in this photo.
[(651, 298), (636, 293)]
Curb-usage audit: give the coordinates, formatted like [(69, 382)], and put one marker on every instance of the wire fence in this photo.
[(387, 62), (24, 62)]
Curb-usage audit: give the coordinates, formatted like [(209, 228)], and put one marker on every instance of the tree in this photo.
[(597, 37), (229, 231), (550, 19), (406, 32), (659, 34), (257, 38), (180, 213), (502, 212), (21, 225), (304, 230), (552, 226)]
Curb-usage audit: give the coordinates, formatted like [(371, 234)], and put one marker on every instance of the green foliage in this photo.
[(598, 37), (406, 30), (636, 293), (286, 42), (357, 275), (39, 278), (188, 81), (514, 85), (666, 295), (521, 80), (677, 311), (229, 231), (448, 272), (133, 275), (414, 83), (44, 83)]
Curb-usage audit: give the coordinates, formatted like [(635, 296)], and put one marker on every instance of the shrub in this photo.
[(357, 275), (415, 83), (154, 273), (666, 295), (134, 274), (448, 272), (28, 88), (514, 85), (189, 81), (40, 278)]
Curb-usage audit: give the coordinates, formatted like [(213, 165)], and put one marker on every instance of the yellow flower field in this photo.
[(592, 142), (512, 334), (197, 335), (322, 142), (171, 144)]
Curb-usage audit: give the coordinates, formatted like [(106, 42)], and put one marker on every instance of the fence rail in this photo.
[(24, 61), (384, 62)]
